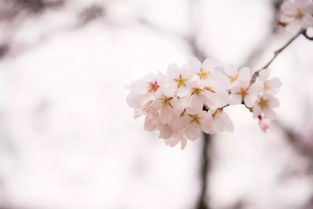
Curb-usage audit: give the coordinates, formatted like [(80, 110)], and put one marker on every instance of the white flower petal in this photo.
[(173, 71), (274, 102), (183, 91), (194, 64), (183, 142), (244, 74), (165, 131), (150, 124), (269, 113), (257, 110), (192, 131), (249, 100), (231, 70), (210, 64), (274, 83), (207, 126), (234, 99), (223, 122), (166, 114)]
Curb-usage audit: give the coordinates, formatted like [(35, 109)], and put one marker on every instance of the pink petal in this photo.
[(192, 131), (207, 126), (234, 99)]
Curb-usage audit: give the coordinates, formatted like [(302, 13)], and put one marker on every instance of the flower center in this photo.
[(194, 118), (203, 73), (196, 91), (180, 81), (263, 103), (243, 92), (166, 100), (233, 78), (153, 86), (299, 14), (266, 86)]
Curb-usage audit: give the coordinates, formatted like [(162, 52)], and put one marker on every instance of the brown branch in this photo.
[(261, 47), (306, 35), (276, 53)]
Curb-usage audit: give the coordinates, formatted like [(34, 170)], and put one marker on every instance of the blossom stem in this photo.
[(276, 53)]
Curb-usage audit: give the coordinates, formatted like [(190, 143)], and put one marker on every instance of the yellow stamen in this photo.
[(233, 78), (166, 100), (299, 14), (203, 73), (209, 89), (196, 91), (243, 92), (180, 81), (194, 118), (263, 103), (266, 86)]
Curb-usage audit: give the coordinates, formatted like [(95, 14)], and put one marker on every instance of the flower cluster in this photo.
[(190, 99), (296, 14)]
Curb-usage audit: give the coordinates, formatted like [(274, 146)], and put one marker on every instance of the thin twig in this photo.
[(305, 34), (262, 45), (276, 53)]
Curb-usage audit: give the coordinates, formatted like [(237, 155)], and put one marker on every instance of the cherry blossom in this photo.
[(236, 75), (145, 89), (264, 106), (179, 80), (178, 137), (201, 95), (244, 93), (191, 99), (269, 85), (197, 121), (207, 73), (296, 14), (222, 121), (263, 123)]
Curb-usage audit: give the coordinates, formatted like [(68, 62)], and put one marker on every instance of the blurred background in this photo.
[(67, 136)]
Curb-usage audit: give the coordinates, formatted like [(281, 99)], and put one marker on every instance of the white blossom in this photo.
[(179, 80), (244, 93), (296, 14), (264, 106), (222, 121), (269, 85), (197, 121), (236, 75), (189, 100)]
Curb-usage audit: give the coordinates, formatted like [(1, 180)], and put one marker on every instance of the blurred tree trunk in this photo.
[(205, 168)]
